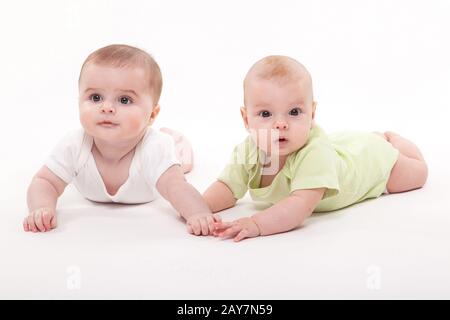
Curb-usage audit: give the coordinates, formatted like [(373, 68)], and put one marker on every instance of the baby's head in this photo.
[(119, 90), (278, 104)]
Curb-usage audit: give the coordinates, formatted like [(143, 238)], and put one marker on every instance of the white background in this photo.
[(376, 65)]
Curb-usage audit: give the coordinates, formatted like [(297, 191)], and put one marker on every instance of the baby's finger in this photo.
[(230, 232), (53, 221), (217, 231), (210, 224), (196, 227), (222, 225), (31, 224), (204, 226), (189, 229), (25, 225), (46, 220), (217, 218), (38, 220), (241, 235)]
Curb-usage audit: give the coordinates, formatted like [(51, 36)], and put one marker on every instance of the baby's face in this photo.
[(115, 103), (279, 116)]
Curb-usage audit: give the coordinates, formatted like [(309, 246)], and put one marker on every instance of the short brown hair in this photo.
[(121, 55)]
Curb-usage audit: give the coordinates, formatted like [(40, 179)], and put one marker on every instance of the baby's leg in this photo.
[(405, 146), (183, 149), (410, 171)]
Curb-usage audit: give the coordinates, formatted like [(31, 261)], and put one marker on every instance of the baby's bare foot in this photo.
[(389, 135), (381, 135), (183, 149)]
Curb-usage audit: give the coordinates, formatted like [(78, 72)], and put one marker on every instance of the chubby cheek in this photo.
[(87, 118), (134, 123), (300, 137), (256, 123)]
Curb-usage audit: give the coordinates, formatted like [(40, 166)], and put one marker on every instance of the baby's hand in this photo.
[(239, 229), (202, 223), (40, 220)]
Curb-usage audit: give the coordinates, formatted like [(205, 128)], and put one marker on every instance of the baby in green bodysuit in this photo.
[(289, 161)]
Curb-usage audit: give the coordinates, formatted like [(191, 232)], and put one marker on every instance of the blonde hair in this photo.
[(279, 68), (121, 55)]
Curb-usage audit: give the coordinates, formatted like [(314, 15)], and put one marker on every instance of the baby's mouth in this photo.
[(281, 140), (107, 123)]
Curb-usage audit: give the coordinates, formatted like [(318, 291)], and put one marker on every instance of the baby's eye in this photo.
[(95, 97), (265, 114), (295, 112), (125, 100)]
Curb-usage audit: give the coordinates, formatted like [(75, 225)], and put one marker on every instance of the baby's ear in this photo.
[(314, 104), (244, 116), (154, 114)]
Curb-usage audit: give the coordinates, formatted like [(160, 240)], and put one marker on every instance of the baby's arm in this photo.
[(286, 215), (219, 197), (173, 186), (42, 195), (289, 213)]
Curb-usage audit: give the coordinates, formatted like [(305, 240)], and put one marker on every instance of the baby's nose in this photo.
[(281, 125), (107, 108)]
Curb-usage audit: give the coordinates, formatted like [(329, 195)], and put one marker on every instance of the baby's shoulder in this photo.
[(317, 145), (154, 147), (76, 136), (72, 141), (71, 151), (246, 153), (314, 151), (155, 139)]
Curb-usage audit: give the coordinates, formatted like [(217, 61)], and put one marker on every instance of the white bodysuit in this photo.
[(72, 161)]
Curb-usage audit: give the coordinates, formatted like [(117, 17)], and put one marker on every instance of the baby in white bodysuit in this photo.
[(117, 156)]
